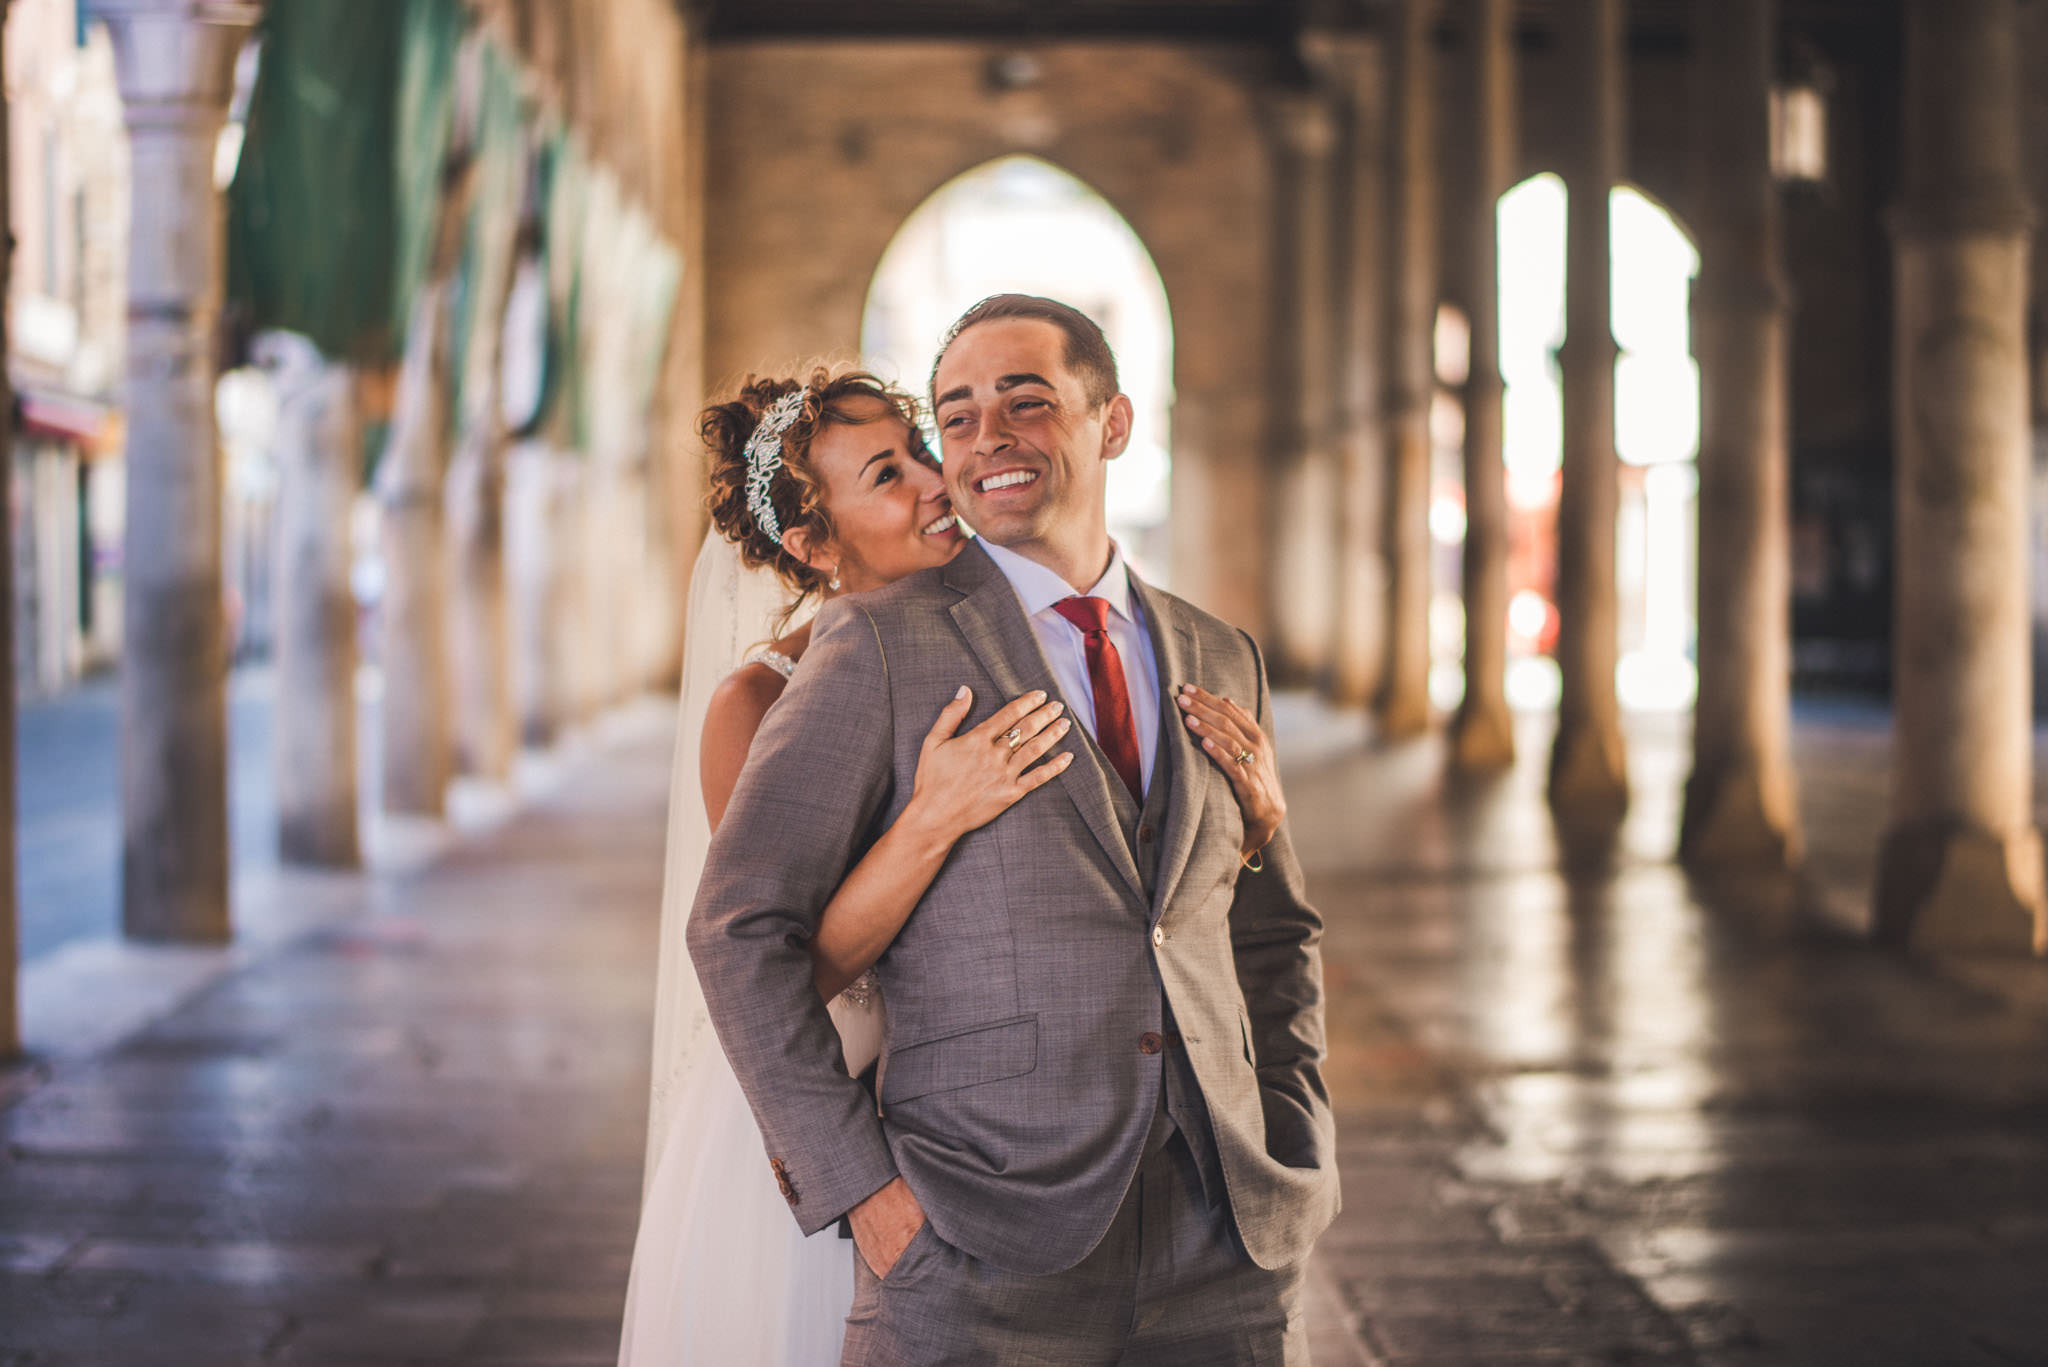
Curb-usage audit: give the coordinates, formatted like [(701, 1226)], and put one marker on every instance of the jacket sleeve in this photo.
[(818, 775), (1276, 936)]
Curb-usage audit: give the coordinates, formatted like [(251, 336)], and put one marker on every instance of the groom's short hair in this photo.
[(1087, 350)]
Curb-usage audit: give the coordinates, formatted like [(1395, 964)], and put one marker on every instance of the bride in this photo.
[(818, 487)]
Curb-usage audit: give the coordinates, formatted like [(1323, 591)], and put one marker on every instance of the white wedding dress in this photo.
[(722, 1276)]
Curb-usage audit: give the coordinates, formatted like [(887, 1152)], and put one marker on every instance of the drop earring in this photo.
[(833, 582)]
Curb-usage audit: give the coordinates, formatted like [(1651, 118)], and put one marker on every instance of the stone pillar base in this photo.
[(1588, 774), (1728, 821), (1403, 713), (320, 839), (1348, 686), (1949, 887), (1291, 671), (1483, 738), (1360, 638)]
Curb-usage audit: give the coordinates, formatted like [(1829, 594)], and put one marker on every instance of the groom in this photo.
[(1099, 1132)]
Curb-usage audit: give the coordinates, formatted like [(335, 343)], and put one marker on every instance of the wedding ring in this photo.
[(1015, 737), (1244, 757)]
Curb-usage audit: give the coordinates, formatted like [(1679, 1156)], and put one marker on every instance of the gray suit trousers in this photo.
[(1170, 1284)]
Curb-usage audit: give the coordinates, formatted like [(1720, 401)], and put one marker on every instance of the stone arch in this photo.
[(1110, 195), (817, 155), (1657, 521)]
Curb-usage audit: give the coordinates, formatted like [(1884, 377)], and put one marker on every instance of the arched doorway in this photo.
[(1020, 224), (1656, 412)]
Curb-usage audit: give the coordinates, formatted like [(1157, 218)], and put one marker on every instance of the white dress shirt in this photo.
[(1066, 646)]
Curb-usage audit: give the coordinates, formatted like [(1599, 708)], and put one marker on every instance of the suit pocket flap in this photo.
[(984, 1054)]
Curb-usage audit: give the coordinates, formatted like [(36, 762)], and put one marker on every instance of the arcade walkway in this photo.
[(1596, 1116)]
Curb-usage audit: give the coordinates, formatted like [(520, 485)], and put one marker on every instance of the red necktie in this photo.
[(1115, 732)]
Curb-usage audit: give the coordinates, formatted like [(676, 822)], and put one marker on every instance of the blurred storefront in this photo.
[(68, 166)]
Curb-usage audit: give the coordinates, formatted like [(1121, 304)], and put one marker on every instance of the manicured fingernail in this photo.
[(1193, 724), (1208, 744), (1040, 695), (1186, 701), (1058, 708), (1065, 726), (962, 693)]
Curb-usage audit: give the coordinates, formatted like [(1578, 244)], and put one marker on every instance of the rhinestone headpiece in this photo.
[(764, 458)]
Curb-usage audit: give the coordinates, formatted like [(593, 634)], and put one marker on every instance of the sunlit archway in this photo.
[(1657, 424), (1022, 224)]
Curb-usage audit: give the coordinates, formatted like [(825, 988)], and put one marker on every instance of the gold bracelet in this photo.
[(1248, 860)]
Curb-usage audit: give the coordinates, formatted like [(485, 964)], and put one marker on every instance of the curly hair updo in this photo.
[(797, 491)]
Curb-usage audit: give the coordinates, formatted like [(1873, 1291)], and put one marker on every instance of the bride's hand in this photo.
[(966, 781), (1237, 743)]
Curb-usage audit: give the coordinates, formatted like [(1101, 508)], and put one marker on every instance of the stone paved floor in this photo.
[(1592, 1112), (410, 1134)]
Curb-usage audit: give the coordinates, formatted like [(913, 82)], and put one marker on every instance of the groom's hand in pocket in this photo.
[(884, 1225)]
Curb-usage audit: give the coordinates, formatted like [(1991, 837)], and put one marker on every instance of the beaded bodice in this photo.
[(774, 659)]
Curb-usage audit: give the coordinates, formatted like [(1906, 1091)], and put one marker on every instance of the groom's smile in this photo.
[(1009, 479)]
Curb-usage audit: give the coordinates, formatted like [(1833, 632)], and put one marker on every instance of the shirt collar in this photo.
[(1039, 588)]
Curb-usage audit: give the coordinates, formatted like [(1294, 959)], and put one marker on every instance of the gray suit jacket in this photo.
[(1014, 1095)]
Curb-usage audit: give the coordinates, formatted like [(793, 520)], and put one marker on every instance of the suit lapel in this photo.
[(1179, 657), (992, 622)]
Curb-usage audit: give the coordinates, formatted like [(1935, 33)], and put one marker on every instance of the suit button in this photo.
[(783, 1181), (1158, 937), (1145, 834), (1150, 1042)]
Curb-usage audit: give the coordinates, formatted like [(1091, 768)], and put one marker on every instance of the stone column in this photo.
[(682, 390), (486, 739), (536, 541), (1411, 369), (414, 731), (486, 735), (1483, 735), (1961, 867), (600, 581), (1358, 644), (10, 918), (319, 455), (175, 62), (1739, 803), (1304, 523), (1588, 776), (583, 634)]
